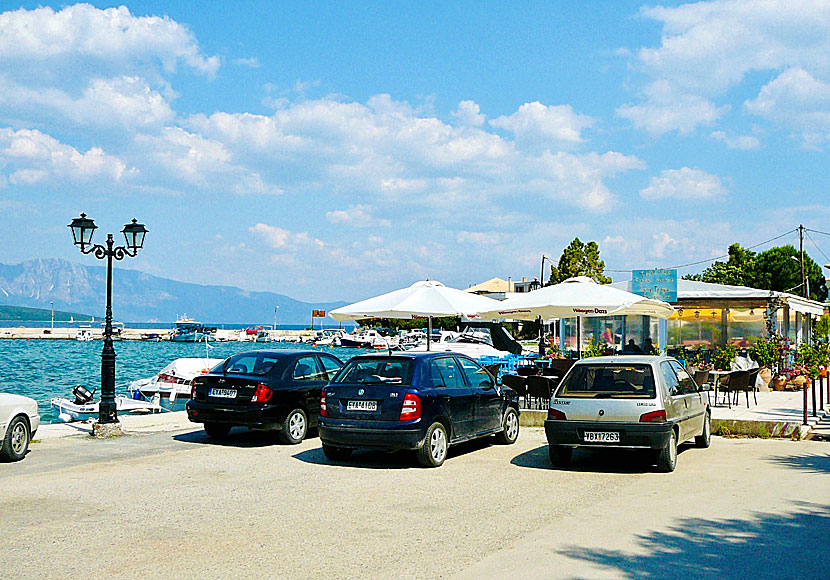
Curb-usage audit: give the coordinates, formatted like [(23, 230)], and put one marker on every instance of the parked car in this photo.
[(418, 401), (627, 402), (265, 390), (19, 420)]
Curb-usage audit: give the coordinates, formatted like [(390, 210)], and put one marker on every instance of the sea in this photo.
[(43, 369)]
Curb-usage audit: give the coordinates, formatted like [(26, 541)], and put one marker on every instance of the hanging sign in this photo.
[(318, 313), (659, 284)]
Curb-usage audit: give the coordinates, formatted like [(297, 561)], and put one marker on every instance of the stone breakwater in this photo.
[(60, 333)]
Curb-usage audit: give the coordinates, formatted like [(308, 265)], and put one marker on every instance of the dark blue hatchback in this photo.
[(418, 401)]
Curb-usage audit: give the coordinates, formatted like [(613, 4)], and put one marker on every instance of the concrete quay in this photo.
[(65, 333)]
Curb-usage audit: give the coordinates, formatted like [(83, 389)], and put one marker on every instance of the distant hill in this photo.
[(38, 314), (139, 297)]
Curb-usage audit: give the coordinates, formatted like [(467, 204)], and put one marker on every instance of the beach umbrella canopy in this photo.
[(423, 299), (576, 297)]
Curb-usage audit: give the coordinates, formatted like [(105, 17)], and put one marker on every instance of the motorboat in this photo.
[(83, 407), (253, 334), (84, 334), (329, 337), (189, 330), (172, 383), (367, 338), (477, 340)]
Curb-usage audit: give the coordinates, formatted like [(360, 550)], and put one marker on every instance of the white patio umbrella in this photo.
[(424, 299), (577, 297)]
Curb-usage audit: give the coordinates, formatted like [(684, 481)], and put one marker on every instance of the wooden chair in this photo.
[(526, 371), (749, 386), (738, 381), (516, 383), (539, 388)]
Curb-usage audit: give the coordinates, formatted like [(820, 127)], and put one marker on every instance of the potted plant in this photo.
[(766, 353), (723, 356)]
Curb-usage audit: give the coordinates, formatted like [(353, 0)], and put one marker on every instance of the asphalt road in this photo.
[(175, 505)]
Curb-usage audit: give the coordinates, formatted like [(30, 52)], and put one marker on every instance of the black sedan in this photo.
[(267, 390), (419, 401)]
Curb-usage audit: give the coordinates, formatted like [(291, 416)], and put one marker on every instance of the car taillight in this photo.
[(193, 391), (654, 417), (323, 410), (556, 414), (263, 393), (411, 408)]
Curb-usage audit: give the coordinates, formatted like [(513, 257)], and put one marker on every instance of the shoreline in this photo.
[(69, 333)]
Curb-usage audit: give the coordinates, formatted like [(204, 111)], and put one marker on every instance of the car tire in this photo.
[(217, 430), (434, 451), (560, 455), (705, 438), (336, 453), (510, 427), (667, 456), (16, 441), (294, 428)]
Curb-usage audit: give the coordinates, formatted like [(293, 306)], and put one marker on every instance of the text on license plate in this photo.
[(222, 393), (602, 436), (362, 406)]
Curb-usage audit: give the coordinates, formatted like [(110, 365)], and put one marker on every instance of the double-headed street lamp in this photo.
[(134, 232)]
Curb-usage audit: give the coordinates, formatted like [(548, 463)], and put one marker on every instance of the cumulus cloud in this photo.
[(742, 142), (549, 126), (684, 183), (29, 157), (282, 239), (468, 113), (709, 48)]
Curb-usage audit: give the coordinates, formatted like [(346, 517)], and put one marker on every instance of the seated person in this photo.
[(632, 348)]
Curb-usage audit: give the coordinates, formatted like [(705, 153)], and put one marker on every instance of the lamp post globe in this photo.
[(82, 230)]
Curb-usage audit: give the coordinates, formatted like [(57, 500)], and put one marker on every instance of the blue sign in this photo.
[(657, 284)]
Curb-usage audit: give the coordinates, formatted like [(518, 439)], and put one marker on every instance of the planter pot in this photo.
[(798, 383), (778, 383), (766, 374), (823, 372)]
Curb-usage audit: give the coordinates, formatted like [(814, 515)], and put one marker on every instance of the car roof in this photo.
[(281, 353), (410, 355), (626, 358)]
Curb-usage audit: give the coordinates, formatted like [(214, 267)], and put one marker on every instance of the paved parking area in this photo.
[(174, 504)]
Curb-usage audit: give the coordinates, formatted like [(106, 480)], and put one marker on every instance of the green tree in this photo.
[(777, 270), (579, 259), (822, 327), (738, 270)]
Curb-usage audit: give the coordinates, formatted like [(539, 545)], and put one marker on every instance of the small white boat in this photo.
[(83, 407), (329, 337), (171, 383), (84, 334)]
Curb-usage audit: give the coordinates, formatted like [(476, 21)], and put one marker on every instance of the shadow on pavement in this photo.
[(238, 437), (593, 460), (811, 463), (373, 459), (767, 545)]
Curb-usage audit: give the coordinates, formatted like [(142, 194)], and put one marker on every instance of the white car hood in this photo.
[(10, 399)]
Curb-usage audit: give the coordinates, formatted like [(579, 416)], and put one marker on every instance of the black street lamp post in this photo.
[(82, 230)]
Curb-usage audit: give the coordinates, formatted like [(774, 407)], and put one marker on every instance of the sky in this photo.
[(338, 150)]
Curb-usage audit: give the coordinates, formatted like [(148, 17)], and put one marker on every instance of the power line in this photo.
[(817, 232), (816, 245), (718, 257)]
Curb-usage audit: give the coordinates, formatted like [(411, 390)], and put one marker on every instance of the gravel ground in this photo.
[(170, 505)]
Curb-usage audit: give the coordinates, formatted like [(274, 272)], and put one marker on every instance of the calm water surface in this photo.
[(43, 369)]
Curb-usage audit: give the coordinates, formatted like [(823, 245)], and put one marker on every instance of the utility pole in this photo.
[(801, 251)]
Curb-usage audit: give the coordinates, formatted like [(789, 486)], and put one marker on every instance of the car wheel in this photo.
[(667, 457), (510, 427), (336, 453), (560, 455), (705, 438), (16, 441), (217, 430), (294, 428), (434, 451)]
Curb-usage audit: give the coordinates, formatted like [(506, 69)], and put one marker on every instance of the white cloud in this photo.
[(742, 142), (29, 156), (469, 114), (709, 48), (662, 242), (684, 183), (358, 216), (549, 126), (109, 37), (252, 62)]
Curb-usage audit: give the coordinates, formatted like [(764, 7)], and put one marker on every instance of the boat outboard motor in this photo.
[(82, 395)]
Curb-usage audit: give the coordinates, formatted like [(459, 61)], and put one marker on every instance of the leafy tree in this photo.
[(776, 270), (738, 270), (579, 259), (822, 327)]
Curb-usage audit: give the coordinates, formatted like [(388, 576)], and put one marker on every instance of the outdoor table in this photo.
[(716, 382)]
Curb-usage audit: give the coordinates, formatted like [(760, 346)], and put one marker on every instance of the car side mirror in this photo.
[(485, 385)]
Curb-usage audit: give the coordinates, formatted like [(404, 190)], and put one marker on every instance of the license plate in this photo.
[(362, 406), (602, 437), (222, 393)]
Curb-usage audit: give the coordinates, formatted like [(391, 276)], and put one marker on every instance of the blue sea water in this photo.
[(43, 369)]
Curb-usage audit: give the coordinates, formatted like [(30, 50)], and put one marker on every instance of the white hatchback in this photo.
[(19, 420)]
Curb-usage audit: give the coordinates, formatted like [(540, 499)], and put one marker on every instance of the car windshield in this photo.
[(249, 363), (608, 381), (475, 336), (376, 371)]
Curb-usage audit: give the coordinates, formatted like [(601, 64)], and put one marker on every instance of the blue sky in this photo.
[(331, 150)]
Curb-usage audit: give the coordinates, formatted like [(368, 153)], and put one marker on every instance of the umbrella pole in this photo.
[(578, 337), (541, 338), (429, 331)]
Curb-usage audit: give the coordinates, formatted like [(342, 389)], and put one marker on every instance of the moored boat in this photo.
[(189, 330)]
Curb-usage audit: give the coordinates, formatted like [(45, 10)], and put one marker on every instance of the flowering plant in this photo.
[(797, 371)]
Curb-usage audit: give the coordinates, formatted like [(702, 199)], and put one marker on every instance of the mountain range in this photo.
[(140, 297)]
